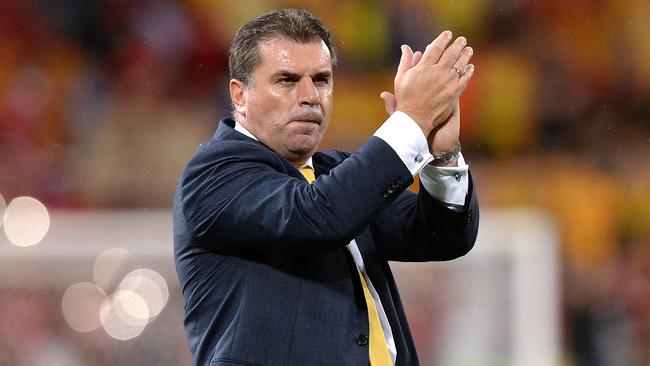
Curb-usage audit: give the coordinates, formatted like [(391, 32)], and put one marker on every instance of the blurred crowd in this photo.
[(103, 102)]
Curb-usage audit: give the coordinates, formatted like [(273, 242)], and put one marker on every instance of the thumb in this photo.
[(405, 62), (417, 56), (389, 101)]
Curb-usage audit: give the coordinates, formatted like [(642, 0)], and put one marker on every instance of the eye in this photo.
[(287, 80), (322, 80)]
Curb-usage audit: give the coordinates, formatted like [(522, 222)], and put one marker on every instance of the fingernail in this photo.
[(470, 50), (448, 34), (463, 40)]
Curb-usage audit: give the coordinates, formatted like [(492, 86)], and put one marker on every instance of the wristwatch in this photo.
[(444, 159)]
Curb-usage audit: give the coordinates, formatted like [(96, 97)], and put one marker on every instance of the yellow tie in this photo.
[(308, 172), (378, 352), (378, 347)]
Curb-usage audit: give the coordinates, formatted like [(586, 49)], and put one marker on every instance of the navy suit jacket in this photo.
[(261, 257)]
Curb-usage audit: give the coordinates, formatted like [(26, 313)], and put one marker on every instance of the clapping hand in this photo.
[(428, 86)]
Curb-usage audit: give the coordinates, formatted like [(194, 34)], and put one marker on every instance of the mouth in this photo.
[(307, 116), (305, 126), (318, 122)]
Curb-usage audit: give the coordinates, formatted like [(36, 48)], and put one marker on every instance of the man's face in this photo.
[(289, 102)]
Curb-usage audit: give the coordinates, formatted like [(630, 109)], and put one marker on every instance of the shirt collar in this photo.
[(241, 129)]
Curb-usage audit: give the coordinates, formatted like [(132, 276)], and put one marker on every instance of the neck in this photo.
[(299, 164)]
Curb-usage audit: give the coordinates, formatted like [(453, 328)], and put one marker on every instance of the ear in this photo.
[(238, 96)]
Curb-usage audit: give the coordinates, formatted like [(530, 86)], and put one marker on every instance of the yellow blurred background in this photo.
[(102, 103)]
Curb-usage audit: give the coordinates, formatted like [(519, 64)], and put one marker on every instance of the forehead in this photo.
[(280, 52)]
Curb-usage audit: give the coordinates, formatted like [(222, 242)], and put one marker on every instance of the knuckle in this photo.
[(437, 48)]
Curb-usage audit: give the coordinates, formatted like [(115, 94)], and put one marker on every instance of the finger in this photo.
[(389, 101), (460, 65), (452, 53), (404, 62), (467, 75), (434, 49), (464, 58), (417, 56)]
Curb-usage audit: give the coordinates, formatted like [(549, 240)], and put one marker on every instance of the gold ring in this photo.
[(458, 71)]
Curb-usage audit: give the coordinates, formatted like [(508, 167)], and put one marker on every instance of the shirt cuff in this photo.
[(402, 134), (447, 184)]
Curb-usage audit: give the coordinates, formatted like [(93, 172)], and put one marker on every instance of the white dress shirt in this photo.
[(446, 184)]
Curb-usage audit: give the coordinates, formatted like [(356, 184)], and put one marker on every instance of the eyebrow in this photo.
[(324, 74), (287, 73)]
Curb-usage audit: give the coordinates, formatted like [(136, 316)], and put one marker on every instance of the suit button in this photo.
[(362, 340)]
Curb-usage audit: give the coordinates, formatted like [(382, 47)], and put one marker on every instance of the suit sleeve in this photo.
[(239, 201), (417, 228)]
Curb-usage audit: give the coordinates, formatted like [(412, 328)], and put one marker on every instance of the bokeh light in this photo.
[(130, 307), (26, 221), (80, 305), (109, 265), (150, 285), (3, 207), (124, 315)]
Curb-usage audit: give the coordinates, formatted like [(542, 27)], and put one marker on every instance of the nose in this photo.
[(307, 92)]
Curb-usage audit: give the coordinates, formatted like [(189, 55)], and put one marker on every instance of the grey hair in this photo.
[(296, 25)]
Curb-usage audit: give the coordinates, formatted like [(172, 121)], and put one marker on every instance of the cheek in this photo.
[(258, 105), (270, 106), (262, 112), (326, 101), (323, 127)]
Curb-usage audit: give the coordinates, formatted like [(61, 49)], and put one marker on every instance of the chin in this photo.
[(304, 145), (302, 152)]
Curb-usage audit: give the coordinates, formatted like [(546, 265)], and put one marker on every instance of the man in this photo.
[(282, 251)]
